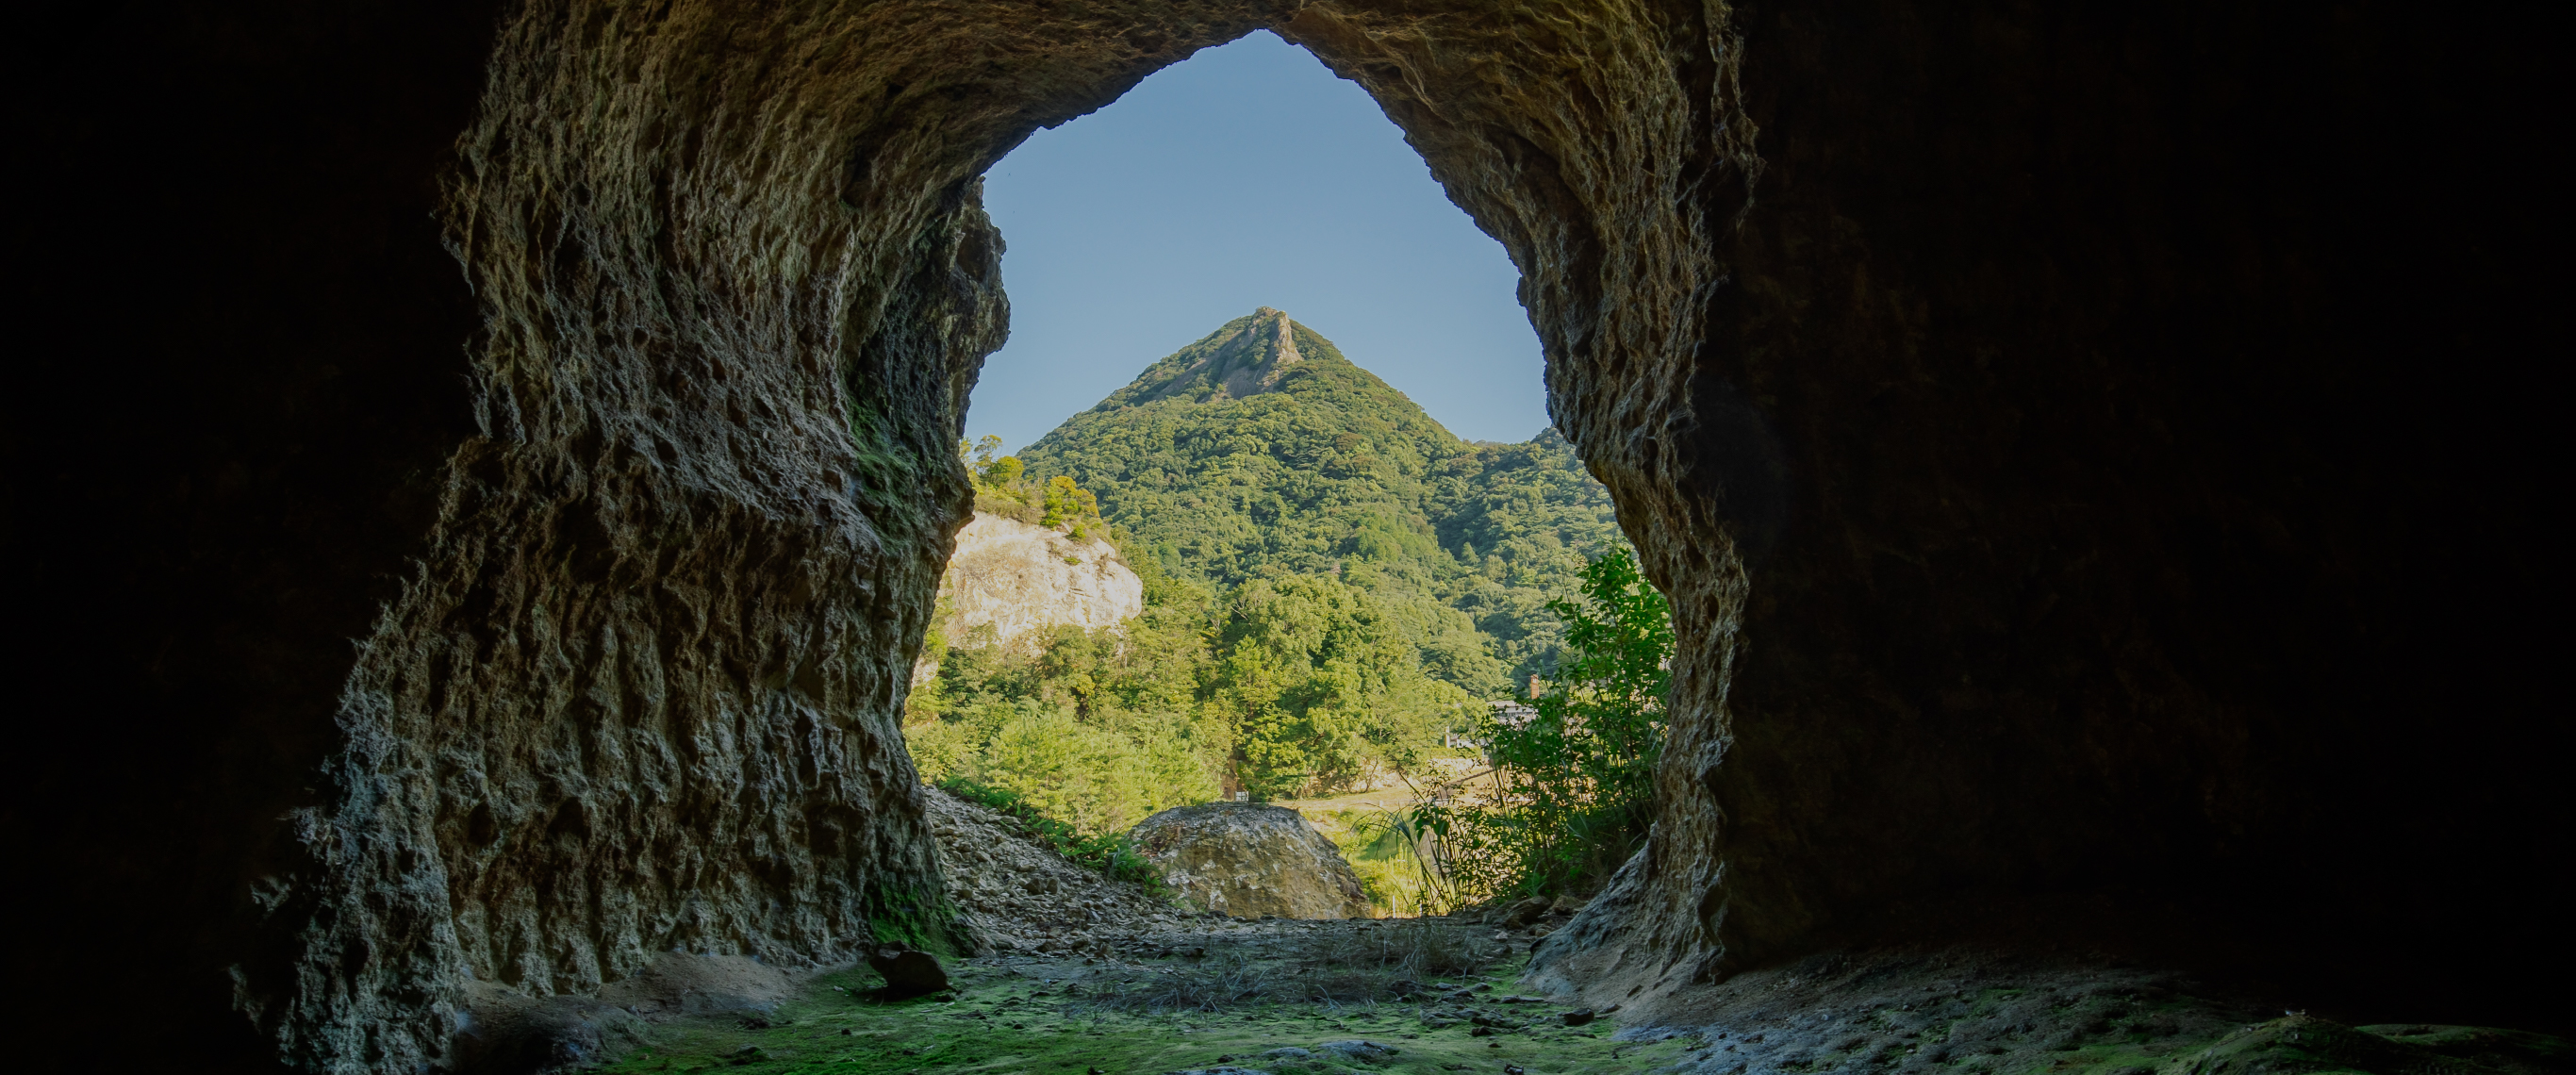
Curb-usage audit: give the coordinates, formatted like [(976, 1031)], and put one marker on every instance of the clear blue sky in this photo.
[(1246, 176)]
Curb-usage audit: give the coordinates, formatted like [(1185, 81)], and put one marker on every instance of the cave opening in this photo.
[(2093, 525), (1381, 462)]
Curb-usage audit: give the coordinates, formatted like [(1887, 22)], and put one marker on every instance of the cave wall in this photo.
[(519, 512), (502, 466), (243, 373), (2157, 547)]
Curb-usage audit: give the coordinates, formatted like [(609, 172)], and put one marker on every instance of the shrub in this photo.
[(1573, 786)]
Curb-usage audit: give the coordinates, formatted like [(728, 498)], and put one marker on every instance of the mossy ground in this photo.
[(1011, 1017), (1235, 991)]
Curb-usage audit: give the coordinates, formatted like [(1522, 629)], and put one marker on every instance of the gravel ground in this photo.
[(1019, 896)]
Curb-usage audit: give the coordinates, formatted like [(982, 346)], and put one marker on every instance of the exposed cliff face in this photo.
[(1246, 363), (1008, 578), (2083, 475)]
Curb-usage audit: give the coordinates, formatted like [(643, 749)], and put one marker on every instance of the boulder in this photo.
[(1249, 860), (907, 973)]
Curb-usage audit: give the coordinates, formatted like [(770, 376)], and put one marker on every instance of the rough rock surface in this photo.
[(512, 1030), (907, 972), (1018, 895), (1249, 860), (1247, 365), (2086, 467), (1014, 577)]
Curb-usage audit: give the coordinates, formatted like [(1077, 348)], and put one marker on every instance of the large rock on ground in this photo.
[(1249, 860)]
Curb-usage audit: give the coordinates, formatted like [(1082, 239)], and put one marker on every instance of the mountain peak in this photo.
[(1245, 357)]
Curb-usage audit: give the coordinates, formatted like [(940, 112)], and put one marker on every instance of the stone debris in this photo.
[(1525, 912), (1365, 1052), (1019, 895)]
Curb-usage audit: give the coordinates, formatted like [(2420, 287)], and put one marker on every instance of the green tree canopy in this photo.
[(1260, 451)]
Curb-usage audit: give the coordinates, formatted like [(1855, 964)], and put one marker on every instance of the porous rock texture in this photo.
[(511, 1029), (1250, 860), (2081, 446), (1014, 577), (2071, 442)]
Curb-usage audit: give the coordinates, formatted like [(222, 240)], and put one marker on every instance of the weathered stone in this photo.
[(908, 973), (1003, 881), (1524, 911), (1249, 860), (1007, 578), (1360, 1051)]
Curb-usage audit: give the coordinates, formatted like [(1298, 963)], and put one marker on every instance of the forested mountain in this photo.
[(1261, 451), (1331, 582)]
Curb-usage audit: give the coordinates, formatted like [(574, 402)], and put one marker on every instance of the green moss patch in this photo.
[(1051, 1018), (922, 919)]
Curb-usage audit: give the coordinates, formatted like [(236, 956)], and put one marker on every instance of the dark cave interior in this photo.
[(2092, 452)]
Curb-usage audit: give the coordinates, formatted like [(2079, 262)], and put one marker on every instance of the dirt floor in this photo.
[(1270, 997), (1083, 975)]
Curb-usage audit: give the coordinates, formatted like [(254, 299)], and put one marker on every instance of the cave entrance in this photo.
[(1384, 457), (735, 281)]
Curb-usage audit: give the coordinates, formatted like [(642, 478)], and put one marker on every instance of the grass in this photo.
[(1261, 988), (1239, 992), (1007, 1020)]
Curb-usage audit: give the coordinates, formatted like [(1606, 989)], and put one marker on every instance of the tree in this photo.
[(1066, 504), (1573, 784), (1321, 683)]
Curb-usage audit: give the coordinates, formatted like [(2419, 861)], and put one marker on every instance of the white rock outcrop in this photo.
[(1016, 577)]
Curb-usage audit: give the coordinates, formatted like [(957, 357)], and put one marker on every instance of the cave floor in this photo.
[(1199, 1001), (1083, 975), (1017, 1014)]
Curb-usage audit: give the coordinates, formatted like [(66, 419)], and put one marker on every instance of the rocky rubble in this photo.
[(1019, 895)]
